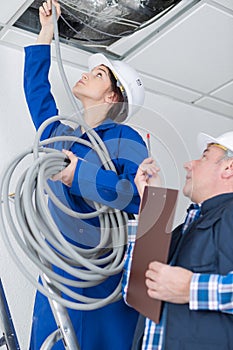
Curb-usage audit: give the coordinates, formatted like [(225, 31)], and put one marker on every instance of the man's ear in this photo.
[(228, 169)]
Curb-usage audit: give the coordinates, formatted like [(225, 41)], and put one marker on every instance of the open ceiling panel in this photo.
[(97, 24)]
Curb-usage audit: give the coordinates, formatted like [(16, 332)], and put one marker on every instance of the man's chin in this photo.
[(187, 192)]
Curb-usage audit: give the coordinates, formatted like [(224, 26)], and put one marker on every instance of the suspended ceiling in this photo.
[(186, 55), (96, 24)]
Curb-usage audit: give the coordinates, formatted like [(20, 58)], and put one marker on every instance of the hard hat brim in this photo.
[(98, 59), (203, 140)]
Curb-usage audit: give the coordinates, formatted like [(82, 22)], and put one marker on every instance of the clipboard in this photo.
[(152, 243)]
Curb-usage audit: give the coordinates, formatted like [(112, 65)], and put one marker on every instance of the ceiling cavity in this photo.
[(94, 25)]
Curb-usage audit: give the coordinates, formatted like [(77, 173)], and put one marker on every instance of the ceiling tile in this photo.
[(225, 93), (226, 3), (9, 10), (72, 55), (191, 50), (169, 89), (216, 106)]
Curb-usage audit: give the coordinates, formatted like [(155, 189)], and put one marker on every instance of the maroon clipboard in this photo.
[(152, 243)]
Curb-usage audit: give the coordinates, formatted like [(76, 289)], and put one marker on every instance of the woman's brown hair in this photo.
[(118, 112)]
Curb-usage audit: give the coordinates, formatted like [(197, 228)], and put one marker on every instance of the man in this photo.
[(197, 289)]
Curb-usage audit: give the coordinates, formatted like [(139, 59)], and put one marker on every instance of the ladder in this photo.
[(9, 337), (64, 332)]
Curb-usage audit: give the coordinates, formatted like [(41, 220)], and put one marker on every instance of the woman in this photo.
[(85, 179)]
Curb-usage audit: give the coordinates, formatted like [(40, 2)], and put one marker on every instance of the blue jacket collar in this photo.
[(217, 201), (107, 124)]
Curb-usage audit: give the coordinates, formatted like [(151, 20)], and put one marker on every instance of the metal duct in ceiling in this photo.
[(96, 24)]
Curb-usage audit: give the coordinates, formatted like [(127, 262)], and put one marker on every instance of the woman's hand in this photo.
[(147, 174), (46, 21), (67, 175)]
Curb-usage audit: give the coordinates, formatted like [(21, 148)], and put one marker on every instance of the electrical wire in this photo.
[(126, 33), (94, 14), (112, 20), (29, 222)]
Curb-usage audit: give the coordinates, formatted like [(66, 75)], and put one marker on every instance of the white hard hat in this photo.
[(126, 76), (225, 140)]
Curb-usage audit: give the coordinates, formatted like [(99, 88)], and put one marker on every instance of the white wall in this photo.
[(17, 134), (173, 126)]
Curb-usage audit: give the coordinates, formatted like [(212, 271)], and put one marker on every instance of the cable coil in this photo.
[(30, 223), (35, 231)]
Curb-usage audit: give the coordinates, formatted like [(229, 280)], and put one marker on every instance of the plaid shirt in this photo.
[(207, 292), (212, 292)]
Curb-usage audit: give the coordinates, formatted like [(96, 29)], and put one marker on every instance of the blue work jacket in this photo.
[(91, 181), (206, 248), (111, 327)]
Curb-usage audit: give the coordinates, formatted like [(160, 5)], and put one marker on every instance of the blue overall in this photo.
[(110, 327)]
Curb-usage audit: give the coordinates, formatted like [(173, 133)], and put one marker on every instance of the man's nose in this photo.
[(188, 165)]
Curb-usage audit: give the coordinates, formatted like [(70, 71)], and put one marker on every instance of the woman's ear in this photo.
[(111, 97), (228, 169)]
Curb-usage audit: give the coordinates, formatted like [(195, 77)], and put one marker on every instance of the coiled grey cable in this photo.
[(34, 230)]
